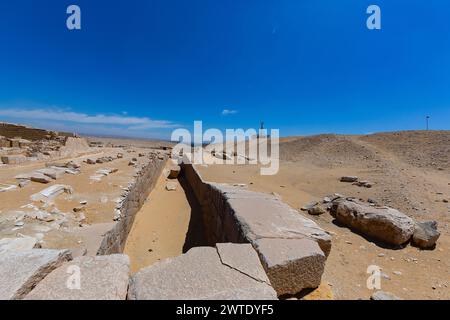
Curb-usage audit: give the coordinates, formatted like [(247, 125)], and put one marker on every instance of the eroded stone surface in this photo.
[(385, 224), (101, 278), (264, 216), (425, 234), (243, 258), (29, 267), (198, 274), (292, 264)]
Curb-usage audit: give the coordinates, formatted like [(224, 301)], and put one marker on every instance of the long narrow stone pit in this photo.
[(253, 246), (292, 248)]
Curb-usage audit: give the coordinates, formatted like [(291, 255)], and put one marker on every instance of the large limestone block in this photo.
[(242, 257), (101, 278), (265, 216), (382, 223), (201, 274), (20, 271), (292, 264), (17, 244)]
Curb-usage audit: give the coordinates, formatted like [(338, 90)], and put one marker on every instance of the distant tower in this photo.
[(261, 127), (428, 117)]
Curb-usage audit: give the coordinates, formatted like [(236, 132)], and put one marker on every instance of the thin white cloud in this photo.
[(132, 123), (226, 112)]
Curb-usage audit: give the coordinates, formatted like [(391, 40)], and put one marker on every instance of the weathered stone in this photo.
[(317, 210), (382, 223), (264, 216), (29, 268), (382, 295), (200, 274), (101, 278), (51, 192), (171, 186), (91, 161), (349, 179), (39, 177), (17, 244), (174, 172), (14, 159), (292, 264), (244, 258), (309, 205), (425, 235), (52, 173)]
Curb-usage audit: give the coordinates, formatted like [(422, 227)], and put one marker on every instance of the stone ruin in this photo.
[(19, 144), (257, 248)]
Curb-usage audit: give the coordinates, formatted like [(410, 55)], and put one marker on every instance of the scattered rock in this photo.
[(171, 186), (317, 210), (51, 192), (365, 184), (349, 179), (382, 295), (309, 205), (425, 235), (23, 183), (41, 178), (385, 224), (78, 209)]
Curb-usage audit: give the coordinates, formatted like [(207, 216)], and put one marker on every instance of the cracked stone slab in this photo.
[(265, 216), (101, 278), (243, 258), (199, 274), (292, 264), (29, 267)]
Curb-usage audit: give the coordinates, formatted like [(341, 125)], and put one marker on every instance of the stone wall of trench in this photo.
[(133, 199), (292, 248)]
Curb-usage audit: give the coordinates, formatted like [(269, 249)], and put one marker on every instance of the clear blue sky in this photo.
[(142, 68)]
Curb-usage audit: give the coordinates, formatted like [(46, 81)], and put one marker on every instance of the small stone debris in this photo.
[(51, 192), (349, 179), (78, 209), (425, 235), (365, 184), (382, 295), (309, 205), (171, 186), (91, 161), (7, 187), (41, 178), (317, 210)]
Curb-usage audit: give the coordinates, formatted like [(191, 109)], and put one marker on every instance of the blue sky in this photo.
[(142, 68)]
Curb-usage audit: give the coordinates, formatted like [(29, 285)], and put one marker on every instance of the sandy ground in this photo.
[(410, 172), (160, 227)]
